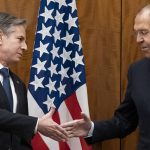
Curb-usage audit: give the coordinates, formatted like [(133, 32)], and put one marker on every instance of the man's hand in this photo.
[(51, 129), (78, 128)]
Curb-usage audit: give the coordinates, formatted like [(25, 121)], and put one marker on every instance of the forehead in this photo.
[(142, 22), (17, 30)]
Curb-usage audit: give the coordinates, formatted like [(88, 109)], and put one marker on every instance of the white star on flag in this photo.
[(71, 22), (47, 14), (52, 69), (61, 3), (61, 89), (78, 60), (68, 38), (42, 48), (73, 6), (75, 76), (37, 83), (54, 52), (66, 55), (40, 65), (49, 102), (51, 86), (63, 72), (59, 18), (45, 31), (56, 35)]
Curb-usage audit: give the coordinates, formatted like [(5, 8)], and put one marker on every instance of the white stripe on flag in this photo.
[(34, 109), (82, 98), (51, 144), (64, 114)]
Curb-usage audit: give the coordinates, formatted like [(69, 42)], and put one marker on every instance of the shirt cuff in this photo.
[(35, 130), (91, 130)]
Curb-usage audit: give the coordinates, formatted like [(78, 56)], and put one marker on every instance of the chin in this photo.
[(147, 56), (16, 60)]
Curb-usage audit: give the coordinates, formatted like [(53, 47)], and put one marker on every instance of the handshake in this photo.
[(75, 128)]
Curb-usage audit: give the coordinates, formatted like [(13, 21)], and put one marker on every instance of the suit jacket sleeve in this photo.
[(123, 122), (18, 124)]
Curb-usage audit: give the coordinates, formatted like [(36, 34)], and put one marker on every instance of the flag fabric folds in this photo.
[(57, 75)]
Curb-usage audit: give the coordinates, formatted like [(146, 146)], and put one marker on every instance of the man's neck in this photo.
[(4, 64)]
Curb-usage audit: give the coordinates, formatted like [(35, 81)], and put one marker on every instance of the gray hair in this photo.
[(145, 10), (7, 21)]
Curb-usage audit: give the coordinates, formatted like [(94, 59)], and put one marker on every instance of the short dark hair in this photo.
[(7, 21)]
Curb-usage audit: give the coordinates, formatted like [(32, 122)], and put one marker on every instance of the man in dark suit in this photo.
[(135, 109), (16, 128)]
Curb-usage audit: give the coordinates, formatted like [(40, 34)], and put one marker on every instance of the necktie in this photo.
[(7, 87)]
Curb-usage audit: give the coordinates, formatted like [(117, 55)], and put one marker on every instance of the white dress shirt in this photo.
[(12, 88), (90, 133)]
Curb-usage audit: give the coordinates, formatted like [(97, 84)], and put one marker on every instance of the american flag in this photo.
[(57, 76)]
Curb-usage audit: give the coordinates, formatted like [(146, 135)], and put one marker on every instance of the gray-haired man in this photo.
[(16, 128)]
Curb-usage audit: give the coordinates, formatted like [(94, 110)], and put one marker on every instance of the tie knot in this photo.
[(4, 72)]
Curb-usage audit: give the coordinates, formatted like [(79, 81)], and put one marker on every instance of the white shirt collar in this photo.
[(2, 66)]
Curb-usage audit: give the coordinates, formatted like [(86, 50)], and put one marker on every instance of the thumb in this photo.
[(50, 113), (85, 117)]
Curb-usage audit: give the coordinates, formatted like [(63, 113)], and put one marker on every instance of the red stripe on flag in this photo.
[(38, 143), (62, 145), (73, 106), (75, 111), (84, 145), (56, 117)]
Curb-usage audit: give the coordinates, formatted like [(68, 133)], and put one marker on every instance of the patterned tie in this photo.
[(7, 87)]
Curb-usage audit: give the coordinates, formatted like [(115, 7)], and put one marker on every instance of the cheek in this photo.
[(147, 40), (12, 53)]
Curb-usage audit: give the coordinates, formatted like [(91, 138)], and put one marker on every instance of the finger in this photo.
[(71, 135), (62, 131), (69, 129), (66, 125), (52, 110), (50, 113), (56, 134), (61, 136)]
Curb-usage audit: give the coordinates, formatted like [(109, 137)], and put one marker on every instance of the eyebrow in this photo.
[(21, 36)]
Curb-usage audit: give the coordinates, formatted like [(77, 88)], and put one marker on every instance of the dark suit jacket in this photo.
[(134, 110), (16, 130)]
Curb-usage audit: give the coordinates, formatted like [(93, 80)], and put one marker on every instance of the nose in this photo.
[(139, 38), (24, 46)]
